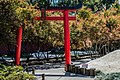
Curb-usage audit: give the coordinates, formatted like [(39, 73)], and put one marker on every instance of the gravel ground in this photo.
[(60, 74), (108, 63)]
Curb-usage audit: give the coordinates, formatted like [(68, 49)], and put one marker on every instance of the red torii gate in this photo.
[(65, 18)]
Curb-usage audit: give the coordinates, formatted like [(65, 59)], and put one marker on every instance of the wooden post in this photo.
[(18, 46), (43, 76), (67, 39), (33, 70)]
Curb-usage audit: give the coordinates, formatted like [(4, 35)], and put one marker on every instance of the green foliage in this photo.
[(98, 28), (13, 14), (89, 27), (111, 23), (14, 73), (98, 5), (85, 14), (109, 76)]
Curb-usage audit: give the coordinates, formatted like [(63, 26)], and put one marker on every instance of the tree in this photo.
[(98, 5)]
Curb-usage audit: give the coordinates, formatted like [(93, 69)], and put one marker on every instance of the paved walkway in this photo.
[(60, 74)]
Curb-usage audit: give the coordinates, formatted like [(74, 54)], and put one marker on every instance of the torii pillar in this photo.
[(18, 46), (67, 38)]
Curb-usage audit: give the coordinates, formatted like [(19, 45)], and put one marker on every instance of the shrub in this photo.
[(109, 76), (14, 73)]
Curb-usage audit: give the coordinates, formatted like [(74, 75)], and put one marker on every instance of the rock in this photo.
[(107, 64)]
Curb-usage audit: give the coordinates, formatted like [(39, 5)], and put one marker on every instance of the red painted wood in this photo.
[(18, 46), (55, 18), (67, 38)]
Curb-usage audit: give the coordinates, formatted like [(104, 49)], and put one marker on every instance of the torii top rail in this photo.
[(54, 5)]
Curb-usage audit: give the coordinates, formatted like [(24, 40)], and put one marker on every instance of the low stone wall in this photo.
[(80, 70)]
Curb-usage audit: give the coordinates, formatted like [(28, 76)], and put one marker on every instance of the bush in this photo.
[(14, 73), (109, 76)]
